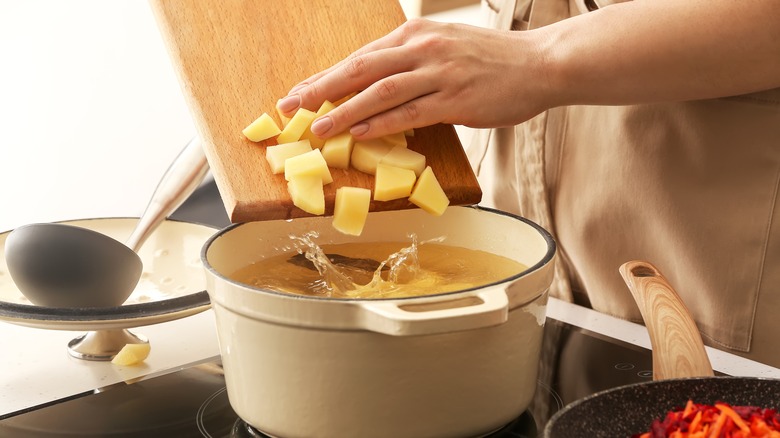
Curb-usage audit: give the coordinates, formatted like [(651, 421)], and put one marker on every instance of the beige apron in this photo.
[(690, 186)]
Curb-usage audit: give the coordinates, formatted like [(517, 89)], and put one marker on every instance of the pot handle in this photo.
[(482, 309), (678, 350)]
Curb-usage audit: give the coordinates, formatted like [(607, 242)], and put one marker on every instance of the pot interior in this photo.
[(469, 227)]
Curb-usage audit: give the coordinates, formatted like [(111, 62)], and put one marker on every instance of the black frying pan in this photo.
[(680, 366)]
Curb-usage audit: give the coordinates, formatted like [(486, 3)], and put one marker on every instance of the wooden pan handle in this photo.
[(678, 350)]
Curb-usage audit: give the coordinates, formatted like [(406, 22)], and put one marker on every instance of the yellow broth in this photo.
[(415, 270)]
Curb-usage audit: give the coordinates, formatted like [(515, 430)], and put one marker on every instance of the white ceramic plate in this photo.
[(172, 285)]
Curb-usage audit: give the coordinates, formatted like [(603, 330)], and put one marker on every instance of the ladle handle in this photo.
[(181, 179), (678, 350)]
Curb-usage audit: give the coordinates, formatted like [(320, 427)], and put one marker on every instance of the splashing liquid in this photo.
[(376, 269)]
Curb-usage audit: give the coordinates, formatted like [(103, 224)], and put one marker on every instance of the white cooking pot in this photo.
[(458, 364)]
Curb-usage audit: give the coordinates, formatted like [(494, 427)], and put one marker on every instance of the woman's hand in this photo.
[(424, 73)]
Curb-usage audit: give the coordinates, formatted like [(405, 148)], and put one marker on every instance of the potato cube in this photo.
[(351, 209), (307, 194), (393, 182), (309, 163), (278, 154), (397, 139), (400, 156), (338, 150), (296, 126), (285, 120), (317, 142), (132, 354), (428, 194), (367, 154), (263, 128)]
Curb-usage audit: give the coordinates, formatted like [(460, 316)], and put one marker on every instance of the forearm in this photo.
[(649, 51)]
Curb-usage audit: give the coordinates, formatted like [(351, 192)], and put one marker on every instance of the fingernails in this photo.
[(359, 129), (289, 103), (321, 126)]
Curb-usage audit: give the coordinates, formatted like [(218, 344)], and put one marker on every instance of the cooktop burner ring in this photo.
[(524, 426)]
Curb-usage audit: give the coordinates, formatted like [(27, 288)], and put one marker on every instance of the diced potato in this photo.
[(263, 128), (428, 194), (351, 209), (132, 354), (317, 142), (309, 163), (393, 182), (285, 120), (307, 194), (400, 156), (296, 126), (278, 154), (338, 150), (367, 154), (397, 139)]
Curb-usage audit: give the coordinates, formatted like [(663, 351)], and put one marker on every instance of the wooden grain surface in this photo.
[(678, 350), (236, 58)]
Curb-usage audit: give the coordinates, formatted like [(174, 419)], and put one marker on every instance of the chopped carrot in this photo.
[(695, 423), (718, 421), (689, 407), (718, 426), (726, 410)]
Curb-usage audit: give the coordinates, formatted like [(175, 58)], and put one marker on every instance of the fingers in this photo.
[(392, 76), (346, 73), (412, 114), (351, 75), (386, 42), (382, 95)]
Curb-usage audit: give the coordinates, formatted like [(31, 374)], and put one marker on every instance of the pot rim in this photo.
[(548, 257)]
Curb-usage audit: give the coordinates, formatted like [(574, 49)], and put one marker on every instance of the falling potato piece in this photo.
[(338, 150), (351, 209), (307, 193), (393, 182), (132, 354), (263, 128), (309, 163), (428, 194), (296, 126), (276, 155)]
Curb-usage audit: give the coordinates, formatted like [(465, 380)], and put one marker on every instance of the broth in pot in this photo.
[(377, 270)]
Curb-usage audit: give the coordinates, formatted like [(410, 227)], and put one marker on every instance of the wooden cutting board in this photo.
[(236, 58)]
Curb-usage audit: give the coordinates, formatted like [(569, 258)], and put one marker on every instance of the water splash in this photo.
[(400, 267)]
